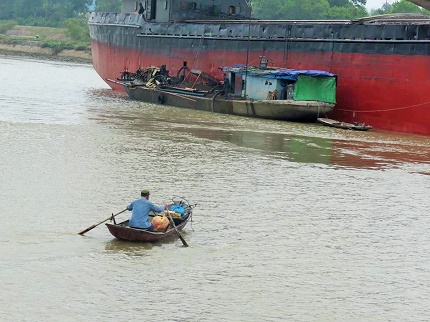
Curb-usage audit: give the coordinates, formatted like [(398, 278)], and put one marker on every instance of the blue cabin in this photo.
[(263, 83)]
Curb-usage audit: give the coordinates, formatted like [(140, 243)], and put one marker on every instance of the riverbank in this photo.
[(36, 52), (43, 43)]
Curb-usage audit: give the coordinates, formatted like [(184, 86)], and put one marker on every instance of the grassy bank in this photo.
[(44, 42)]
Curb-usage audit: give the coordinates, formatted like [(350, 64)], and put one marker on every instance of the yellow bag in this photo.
[(173, 214)]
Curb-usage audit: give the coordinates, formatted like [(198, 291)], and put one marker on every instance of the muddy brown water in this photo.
[(295, 222)]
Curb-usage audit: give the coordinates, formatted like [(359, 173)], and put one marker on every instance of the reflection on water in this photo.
[(129, 248), (139, 249), (314, 143), (307, 149), (294, 148)]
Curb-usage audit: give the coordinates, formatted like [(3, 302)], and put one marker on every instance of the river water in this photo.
[(294, 222)]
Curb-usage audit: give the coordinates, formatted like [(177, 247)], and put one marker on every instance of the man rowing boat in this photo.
[(140, 211)]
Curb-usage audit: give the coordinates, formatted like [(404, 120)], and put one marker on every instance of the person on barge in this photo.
[(141, 9)]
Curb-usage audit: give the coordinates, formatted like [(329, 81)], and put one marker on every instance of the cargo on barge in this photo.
[(262, 92)]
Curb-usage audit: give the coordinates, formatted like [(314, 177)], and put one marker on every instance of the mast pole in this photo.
[(249, 45)]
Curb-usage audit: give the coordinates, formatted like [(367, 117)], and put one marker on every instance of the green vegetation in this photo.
[(50, 13), (46, 42), (108, 5), (400, 7), (57, 25), (6, 25), (72, 37), (326, 9), (77, 28), (59, 45), (57, 13)]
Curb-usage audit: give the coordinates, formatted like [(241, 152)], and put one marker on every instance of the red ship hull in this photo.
[(386, 91)]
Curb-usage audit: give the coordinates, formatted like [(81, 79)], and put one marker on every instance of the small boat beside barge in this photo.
[(344, 125), (124, 232), (262, 92)]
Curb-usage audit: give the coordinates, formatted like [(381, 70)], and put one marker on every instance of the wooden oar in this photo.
[(95, 225), (176, 229)]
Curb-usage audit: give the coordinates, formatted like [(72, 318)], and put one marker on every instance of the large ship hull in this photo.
[(381, 82)]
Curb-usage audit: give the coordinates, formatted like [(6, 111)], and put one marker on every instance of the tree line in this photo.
[(51, 13), (54, 13), (327, 9)]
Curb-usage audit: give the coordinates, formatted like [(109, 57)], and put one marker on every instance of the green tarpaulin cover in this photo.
[(321, 89)]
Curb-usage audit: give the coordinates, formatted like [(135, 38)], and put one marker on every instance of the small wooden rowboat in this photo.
[(344, 125), (123, 231)]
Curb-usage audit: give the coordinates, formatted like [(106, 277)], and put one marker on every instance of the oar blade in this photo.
[(182, 239), (176, 229), (87, 230)]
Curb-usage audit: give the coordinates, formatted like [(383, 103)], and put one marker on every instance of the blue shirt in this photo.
[(140, 211)]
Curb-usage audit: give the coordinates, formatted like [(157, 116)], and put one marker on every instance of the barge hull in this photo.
[(381, 82)]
